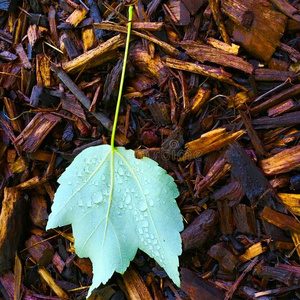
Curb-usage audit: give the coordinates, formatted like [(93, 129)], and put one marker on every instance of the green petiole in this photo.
[(112, 142)]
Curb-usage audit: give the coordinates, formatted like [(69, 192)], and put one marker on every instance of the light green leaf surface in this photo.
[(117, 204)]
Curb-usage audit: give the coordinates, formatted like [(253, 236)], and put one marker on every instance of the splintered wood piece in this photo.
[(256, 141), (150, 26), (33, 35), (207, 53), (272, 75), (71, 104), (178, 12), (198, 101), (213, 140), (204, 70), (23, 56), (160, 111), (115, 27), (280, 220), (11, 218), (53, 25), (50, 281), (38, 210), (276, 99), (249, 26), (244, 218), (110, 88), (135, 285), (43, 72), (282, 162), (95, 57), (256, 187), (227, 260), (217, 171), (230, 49), (148, 65), (285, 120), (8, 56), (36, 131), (282, 108), (232, 192), (197, 288), (88, 37), (40, 250), (225, 217), (296, 240), (77, 15), (287, 9), (13, 114), (215, 9), (291, 201), (201, 231), (252, 252), (233, 288), (70, 46)]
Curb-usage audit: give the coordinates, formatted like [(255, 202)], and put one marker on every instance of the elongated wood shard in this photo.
[(203, 70), (282, 162), (11, 226), (211, 141), (95, 57)]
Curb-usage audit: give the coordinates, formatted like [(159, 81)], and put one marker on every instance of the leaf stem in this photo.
[(112, 142)]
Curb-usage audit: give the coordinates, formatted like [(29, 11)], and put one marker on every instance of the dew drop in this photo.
[(145, 224), (120, 205), (140, 230), (121, 171), (150, 202), (156, 253), (80, 203), (142, 206), (69, 182), (102, 177), (154, 242), (158, 247), (152, 236), (97, 198), (146, 192), (127, 199)]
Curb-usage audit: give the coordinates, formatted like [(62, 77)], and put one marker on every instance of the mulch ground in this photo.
[(211, 94)]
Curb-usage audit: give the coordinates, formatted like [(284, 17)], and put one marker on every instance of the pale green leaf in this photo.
[(117, 204)]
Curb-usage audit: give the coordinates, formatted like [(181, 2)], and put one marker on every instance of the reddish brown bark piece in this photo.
[(227, 260), (36, 131), (272, 273), (272, 75), (40, 250), (244, 218), (201, 231), (226, 217), (197, 288), (11, 224), (249, 30)]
